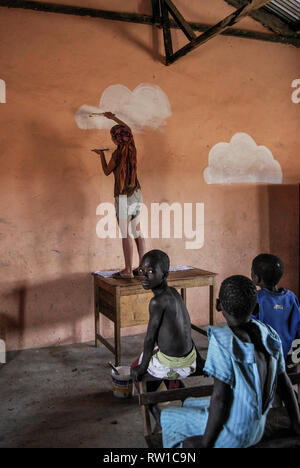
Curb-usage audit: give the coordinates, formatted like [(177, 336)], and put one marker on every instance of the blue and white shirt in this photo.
[(232, 361)]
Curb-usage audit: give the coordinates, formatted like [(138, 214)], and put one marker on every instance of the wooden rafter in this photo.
[(156, 12), (167, 32), (268, 20), (214, 31), (177, 20)]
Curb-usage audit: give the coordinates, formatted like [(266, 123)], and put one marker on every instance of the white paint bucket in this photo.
[(122, 383)]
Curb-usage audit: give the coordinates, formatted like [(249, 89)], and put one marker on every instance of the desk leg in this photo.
[(117, 326), (212, 304), (183, 294), (97, 312)]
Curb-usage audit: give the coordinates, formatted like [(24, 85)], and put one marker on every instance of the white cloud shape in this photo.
[(242, 161), (146, 106)]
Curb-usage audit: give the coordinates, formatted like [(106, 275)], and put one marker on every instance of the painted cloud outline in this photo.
[(146, 106), (242, 161)]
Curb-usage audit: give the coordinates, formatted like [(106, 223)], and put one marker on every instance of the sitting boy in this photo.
[(278, 308), (245, 359), (169, 327)]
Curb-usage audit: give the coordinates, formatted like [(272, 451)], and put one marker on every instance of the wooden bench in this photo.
[(277, 433)]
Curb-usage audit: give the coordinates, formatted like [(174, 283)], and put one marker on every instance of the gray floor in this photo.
[(62, 397)]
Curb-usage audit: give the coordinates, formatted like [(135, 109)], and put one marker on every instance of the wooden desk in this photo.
[(126, 302)]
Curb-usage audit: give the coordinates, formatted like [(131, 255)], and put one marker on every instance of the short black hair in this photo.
[(238, 296), (269, 268), (159, 257)]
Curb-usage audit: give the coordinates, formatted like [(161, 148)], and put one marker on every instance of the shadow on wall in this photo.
[(284, 230), (47, 314)]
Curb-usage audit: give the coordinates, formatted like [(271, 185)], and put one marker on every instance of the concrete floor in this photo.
[(62, 397)]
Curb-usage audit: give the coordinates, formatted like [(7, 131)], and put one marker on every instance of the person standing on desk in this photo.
[(127, 192)]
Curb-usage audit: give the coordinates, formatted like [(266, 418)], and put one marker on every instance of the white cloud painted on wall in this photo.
[(146, 106), (2, 92), (242, 161)]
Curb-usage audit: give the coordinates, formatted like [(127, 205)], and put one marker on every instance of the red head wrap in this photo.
[(125, 141)]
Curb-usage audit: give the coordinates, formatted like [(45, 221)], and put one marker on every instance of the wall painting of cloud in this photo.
[(146, 106), (242, 161)]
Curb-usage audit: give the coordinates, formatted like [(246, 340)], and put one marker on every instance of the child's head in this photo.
[(120, 135), (154, 268), (237, 299), (267, 270)]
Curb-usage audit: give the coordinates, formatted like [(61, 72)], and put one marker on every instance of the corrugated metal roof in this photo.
[(287, 10)]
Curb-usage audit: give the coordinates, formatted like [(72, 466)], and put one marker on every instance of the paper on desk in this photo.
[(181, 268), (108, 274)]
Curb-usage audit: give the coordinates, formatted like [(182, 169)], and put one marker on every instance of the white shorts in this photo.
[(129, 207), (185, 366)]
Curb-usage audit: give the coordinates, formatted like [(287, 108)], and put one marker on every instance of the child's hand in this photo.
[(109, 115), (99, 151), (137, 373)]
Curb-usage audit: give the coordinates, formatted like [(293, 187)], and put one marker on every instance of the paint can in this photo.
[(122, 383)]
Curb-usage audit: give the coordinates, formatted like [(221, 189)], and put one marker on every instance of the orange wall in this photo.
[(51, 184)]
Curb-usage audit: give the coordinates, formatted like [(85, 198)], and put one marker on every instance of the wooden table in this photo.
[(126, 302)]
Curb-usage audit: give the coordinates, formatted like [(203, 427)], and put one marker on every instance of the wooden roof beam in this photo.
[(268, 20), (155, 19), (214, 31)]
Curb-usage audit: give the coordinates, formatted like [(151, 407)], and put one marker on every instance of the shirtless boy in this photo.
[(169, 325)]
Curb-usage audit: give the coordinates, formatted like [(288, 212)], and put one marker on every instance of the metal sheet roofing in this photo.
[(287, 10)]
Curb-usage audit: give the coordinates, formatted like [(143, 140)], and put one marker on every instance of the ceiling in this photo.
[(280, 17), (287, 10)]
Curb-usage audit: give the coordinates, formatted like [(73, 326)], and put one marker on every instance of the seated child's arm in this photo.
[(156, 311), (111, 116), (255, 313), (287, 394), (218, 413)]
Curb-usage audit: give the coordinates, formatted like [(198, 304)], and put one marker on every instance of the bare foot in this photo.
[(124, 274)]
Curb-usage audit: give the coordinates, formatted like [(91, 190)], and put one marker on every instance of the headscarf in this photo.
[(127, 149)]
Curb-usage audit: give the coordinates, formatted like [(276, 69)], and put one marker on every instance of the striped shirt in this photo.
[(232, 361)]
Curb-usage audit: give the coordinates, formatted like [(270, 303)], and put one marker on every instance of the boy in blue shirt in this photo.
[(245, 359), (278, 307)]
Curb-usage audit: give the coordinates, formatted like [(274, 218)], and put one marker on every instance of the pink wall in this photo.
[(51, 184)]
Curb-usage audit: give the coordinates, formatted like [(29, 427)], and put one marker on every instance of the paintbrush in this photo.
[(96, 113), (100, 149), (114, 368)]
